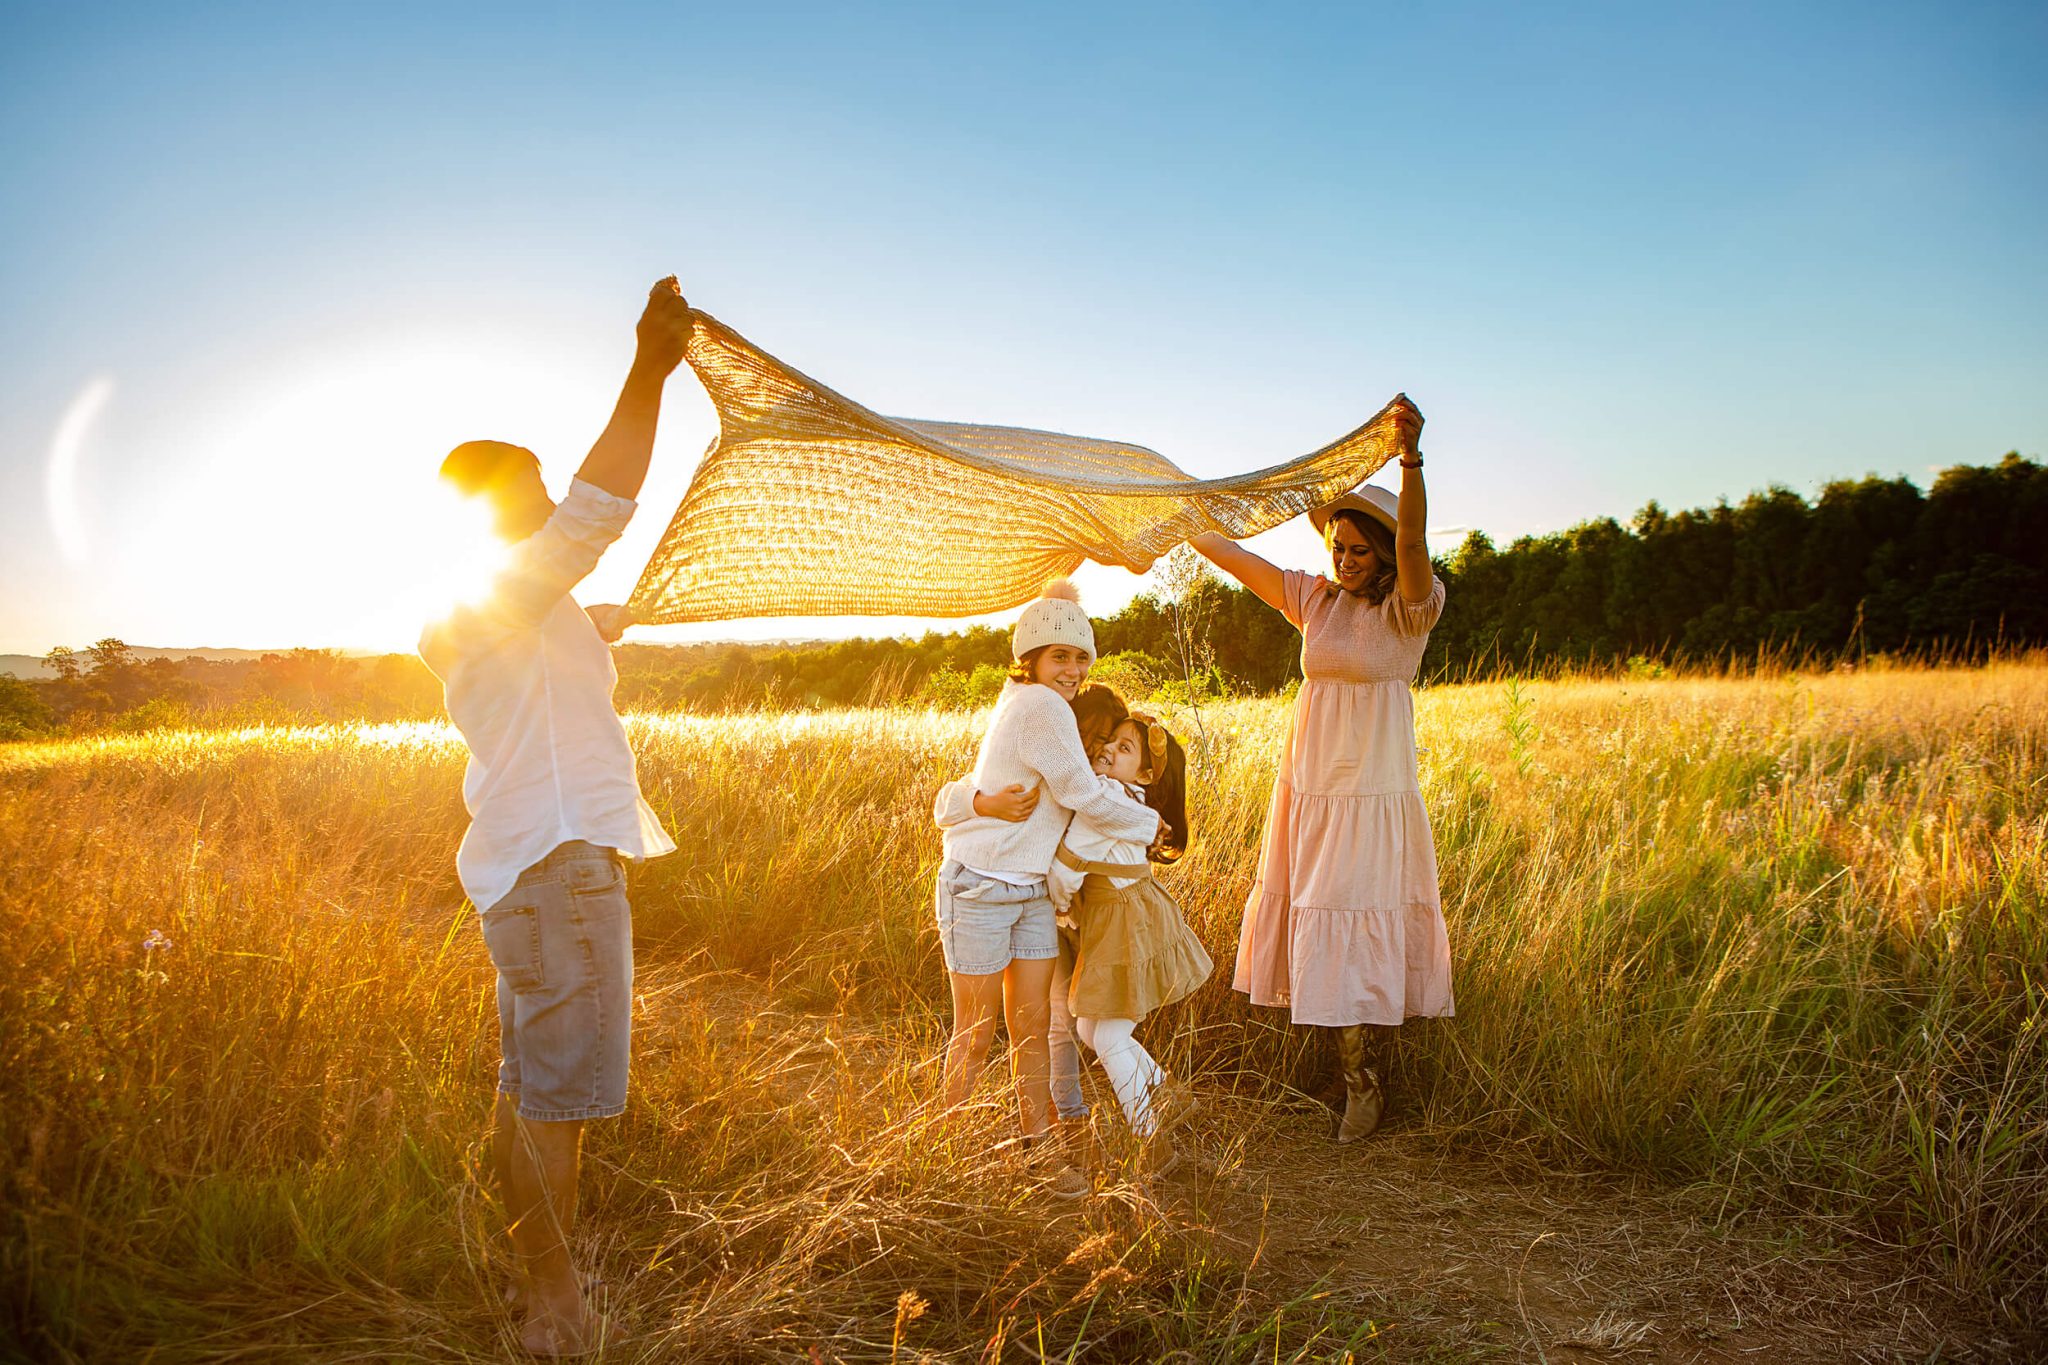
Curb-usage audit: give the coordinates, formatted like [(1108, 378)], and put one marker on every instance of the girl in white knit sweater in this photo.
[(996, 923)]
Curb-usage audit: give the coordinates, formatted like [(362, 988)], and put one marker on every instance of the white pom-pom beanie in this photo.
[(1055, 618)]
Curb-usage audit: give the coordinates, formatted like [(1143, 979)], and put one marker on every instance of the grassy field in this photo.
[(1780, 939)]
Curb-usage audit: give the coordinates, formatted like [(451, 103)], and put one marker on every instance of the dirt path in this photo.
[(1463, 1258), (1468, 1259)]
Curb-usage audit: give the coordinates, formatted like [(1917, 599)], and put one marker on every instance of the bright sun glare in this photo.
[(317, 511)]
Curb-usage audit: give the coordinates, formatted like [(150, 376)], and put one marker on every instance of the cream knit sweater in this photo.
[(1032, 740)]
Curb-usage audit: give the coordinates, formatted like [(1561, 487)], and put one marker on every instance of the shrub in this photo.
[(23, 714), (1132, 674), (158, 713), (948, 689), (1206, 686)]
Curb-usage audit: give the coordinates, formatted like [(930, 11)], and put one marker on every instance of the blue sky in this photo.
[(1615, 253)]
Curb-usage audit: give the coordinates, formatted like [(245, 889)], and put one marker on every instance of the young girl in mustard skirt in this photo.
[(1135, 951)]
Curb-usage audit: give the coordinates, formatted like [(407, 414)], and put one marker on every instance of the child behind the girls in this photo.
[(1135, 951)]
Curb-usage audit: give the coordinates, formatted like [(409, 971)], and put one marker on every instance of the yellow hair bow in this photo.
[(1155, 741)]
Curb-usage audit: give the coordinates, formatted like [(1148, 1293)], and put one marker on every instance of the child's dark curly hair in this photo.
[(1098, 710)]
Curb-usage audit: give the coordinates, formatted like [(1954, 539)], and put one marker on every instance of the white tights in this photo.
[(1132, 1072)]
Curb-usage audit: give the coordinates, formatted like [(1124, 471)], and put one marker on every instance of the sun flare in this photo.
[(316, 506)]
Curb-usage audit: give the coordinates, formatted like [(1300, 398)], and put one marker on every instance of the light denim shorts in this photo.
[(985, 924), (562, 941)]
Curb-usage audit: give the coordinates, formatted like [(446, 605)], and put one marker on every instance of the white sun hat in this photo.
[(1055, 618), (1376, 502)]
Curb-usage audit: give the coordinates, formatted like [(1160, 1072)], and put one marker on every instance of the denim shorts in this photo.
[(985, 924), (562, 941)]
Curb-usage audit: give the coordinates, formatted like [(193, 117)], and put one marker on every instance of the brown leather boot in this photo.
[(1048, 1165), (1365, 1099), (1082, 1144), (1157, 1156), (1173, 1104)]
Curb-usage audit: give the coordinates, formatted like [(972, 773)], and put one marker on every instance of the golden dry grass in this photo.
[(1778, 939)]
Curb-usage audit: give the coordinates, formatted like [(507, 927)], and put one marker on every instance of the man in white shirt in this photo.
[(554, 808)]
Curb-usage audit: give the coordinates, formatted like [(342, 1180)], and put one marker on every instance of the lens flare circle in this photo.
[(60, 478)]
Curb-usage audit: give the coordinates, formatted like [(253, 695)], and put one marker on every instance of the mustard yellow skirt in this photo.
[(1136, 952)]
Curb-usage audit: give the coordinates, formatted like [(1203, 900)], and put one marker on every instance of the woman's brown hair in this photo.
[(1382, 541), (1020, 670)]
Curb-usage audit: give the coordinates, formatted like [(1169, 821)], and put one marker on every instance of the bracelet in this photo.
[(1415, 463)]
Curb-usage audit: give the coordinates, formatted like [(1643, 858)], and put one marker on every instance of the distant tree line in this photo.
[(1870, 566), (106, 687), (727, 676)]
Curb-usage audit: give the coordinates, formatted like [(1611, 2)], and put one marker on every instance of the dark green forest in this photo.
[(1869, 567)]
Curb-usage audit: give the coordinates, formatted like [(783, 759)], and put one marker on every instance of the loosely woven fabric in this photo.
[(808, 504)]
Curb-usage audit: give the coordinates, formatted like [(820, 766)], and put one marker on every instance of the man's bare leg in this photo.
[(539, 1166), (504, 1133)]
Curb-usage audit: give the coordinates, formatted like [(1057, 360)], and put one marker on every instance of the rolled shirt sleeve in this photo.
[(554, 559)]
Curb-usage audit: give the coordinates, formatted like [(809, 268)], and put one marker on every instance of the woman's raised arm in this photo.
[(1411, 544), (1247, 568)]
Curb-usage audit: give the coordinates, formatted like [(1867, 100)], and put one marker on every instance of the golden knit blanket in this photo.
[(808, 504)]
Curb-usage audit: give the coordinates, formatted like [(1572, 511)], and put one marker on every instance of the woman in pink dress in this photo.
[(1345, 926)]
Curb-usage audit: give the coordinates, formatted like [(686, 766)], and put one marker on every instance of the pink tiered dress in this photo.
[(1345, 924)]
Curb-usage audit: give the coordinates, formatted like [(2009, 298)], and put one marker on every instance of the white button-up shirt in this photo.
[(528, 681)]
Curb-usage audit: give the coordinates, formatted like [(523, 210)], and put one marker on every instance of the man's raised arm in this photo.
[(618, 462)]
